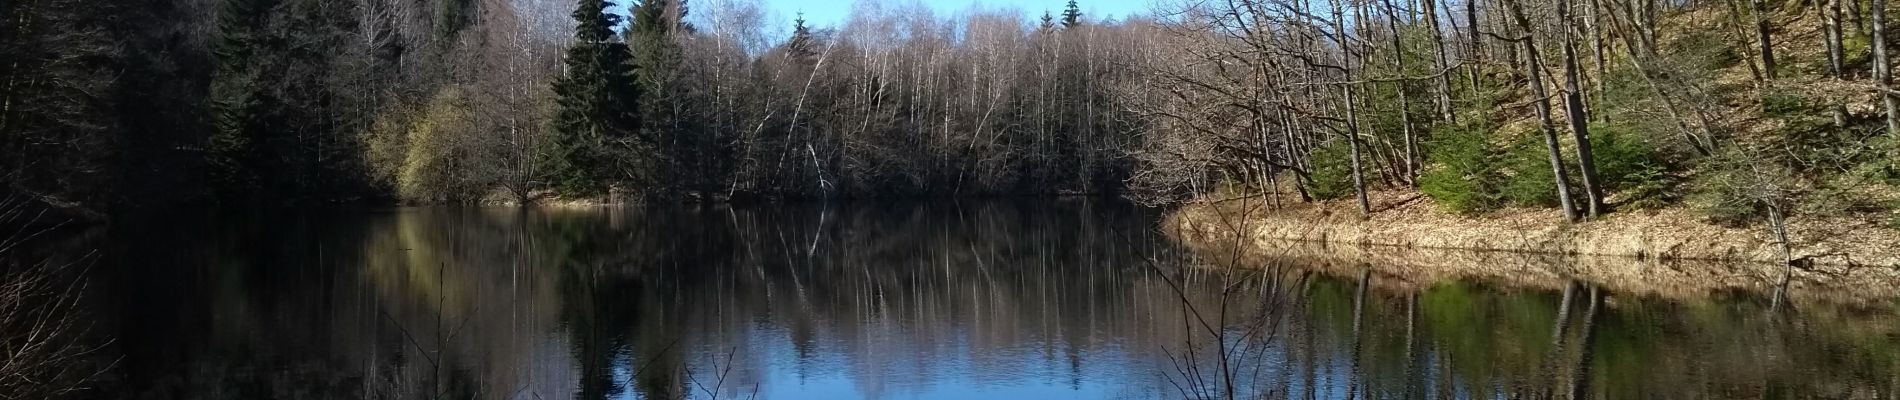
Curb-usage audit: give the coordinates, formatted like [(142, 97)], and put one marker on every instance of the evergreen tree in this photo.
[(452, 16), (593, 142), (680, 12), (1072, 16), (237, 97), (685, 153), (1048, 22), (801, 44)]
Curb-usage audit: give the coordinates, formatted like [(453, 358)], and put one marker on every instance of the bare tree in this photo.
[(1574, 111), (1535, 68), (1883, 67)]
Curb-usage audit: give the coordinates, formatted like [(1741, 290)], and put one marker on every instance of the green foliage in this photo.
[(1780, 104), (1627, 164), (1716, 197), (690, 157), (1855, 47), (1071, 15), (1530, 181), (593, 137), (277, 102), (1331, 171), (1464, 179), (1489, 93)]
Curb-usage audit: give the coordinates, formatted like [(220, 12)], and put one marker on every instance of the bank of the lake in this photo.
[(1684, 253)]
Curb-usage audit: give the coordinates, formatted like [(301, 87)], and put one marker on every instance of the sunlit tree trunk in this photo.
[(1883, 67), (1555, 151), (1573, 106), (1352, 113), (1410, 174), (1830, 11), (1446, 112)]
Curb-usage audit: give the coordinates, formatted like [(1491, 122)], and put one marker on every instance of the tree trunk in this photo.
[(1555, 150), (1477, 45), (1883, 68), (1763, 38), (1579, 122), (1836, 57), (1410, 175), (1445, 110), (1595, 28), (1352, 112), (1580, 373), (1735, 22)]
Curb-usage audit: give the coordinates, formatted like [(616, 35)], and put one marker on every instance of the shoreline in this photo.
[(1666, 234), (1668, 252)]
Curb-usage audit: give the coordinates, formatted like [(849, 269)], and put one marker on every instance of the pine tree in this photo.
[(1048, 23), (1072, 16), (593, 142)]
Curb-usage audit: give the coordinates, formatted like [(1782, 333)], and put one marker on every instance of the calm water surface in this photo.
[(1071, 300)]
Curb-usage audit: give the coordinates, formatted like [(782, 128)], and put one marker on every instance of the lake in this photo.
[(940, 300)]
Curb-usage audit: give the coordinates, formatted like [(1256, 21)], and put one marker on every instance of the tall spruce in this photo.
[(238, 98), (593, 142), (686, 157), (1072, 15), (801, 45)]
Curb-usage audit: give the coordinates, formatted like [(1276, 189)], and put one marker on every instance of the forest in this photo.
[(1746, 110)]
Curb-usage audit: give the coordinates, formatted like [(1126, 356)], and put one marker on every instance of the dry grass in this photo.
[(1669, 253)]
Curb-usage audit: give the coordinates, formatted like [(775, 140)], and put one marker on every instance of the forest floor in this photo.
[(1669, 252)]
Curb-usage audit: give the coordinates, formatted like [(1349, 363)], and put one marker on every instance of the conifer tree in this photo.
[(237, 96), (1072, 16), (684, 152), (593, 142), (801, 42)]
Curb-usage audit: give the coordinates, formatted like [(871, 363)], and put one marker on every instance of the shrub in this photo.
[(1719, 196), (1331, 171), (1737, 184), (1628, 164), (1530, 182), (431, 154), (1464, 177)]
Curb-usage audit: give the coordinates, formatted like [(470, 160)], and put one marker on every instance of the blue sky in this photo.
[(820, 13)]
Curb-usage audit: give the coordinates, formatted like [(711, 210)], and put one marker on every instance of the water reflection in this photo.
[(990, 300)]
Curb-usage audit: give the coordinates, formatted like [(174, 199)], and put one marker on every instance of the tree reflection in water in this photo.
[(976, 300)]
